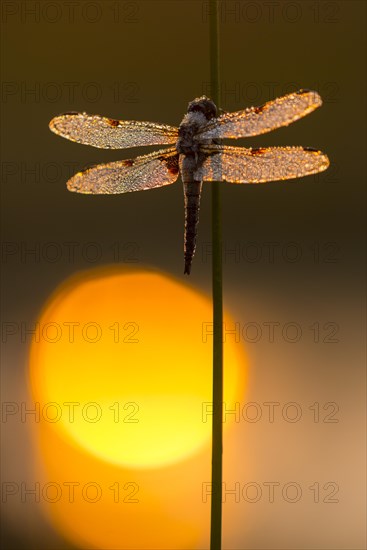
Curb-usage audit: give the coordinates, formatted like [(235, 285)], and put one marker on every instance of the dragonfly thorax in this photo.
[(199, 112)]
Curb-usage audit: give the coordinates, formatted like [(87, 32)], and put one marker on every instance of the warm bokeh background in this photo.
[(298, 245)]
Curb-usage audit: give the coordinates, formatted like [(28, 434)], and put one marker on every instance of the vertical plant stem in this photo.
[(217, 426)]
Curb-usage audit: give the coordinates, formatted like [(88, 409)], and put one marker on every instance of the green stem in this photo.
[(217, 426)]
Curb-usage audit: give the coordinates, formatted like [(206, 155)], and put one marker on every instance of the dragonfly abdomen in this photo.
[(192, 193)]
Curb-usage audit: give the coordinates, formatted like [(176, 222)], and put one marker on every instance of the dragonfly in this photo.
[(195, 152)]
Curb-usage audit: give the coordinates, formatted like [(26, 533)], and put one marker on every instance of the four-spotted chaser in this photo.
[(196, 152)]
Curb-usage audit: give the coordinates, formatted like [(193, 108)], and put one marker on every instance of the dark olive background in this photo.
[(156, 53)]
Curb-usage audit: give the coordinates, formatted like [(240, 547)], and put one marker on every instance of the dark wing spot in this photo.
[(310, 149), (128, 162), (258, 110), (259, 151), (112, 122), (303, 91), (171, 163)]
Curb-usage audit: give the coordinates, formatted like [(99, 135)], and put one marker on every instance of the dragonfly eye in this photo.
[(203, 105)]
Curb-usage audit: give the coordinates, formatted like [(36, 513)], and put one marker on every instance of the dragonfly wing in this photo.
[(240, 165), (259, 120), (146, 172), (107, 133)]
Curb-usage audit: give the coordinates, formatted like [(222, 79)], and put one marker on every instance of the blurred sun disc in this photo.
[(122, 365)]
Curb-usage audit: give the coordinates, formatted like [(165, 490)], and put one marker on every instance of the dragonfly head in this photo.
[(203, 105)]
